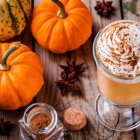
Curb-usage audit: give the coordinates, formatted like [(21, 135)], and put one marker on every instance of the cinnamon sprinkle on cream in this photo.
[(118, 48)]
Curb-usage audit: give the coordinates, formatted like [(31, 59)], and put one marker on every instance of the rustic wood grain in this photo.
[(51, 94)]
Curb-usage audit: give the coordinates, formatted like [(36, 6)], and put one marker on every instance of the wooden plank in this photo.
[(129, 15), (14, 116), (51, 94)]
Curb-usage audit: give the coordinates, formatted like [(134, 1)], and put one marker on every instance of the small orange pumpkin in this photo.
[(20, 75), (61, 26)]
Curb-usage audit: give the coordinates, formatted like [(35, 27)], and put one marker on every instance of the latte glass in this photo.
[(118, 105)]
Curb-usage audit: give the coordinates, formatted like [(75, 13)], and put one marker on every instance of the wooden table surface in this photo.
[(50, 93)]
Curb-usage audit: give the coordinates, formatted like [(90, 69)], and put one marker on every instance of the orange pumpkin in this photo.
[(20, 75), (61, 26)]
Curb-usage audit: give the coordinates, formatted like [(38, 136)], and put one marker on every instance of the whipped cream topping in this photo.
[(118, 48)]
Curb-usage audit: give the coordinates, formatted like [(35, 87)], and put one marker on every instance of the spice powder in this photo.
[(40, 121)]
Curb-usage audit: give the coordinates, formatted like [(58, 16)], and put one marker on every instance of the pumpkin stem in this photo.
[(62, 13), (103, 1), (4, 66)]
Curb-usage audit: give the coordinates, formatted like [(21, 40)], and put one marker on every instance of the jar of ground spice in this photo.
[(40, 122)]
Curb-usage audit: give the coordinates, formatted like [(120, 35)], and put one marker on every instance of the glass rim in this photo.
[(50, 127), (103, 68)]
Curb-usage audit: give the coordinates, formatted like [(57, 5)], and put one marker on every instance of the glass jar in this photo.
[(54, 130), (118, 105)]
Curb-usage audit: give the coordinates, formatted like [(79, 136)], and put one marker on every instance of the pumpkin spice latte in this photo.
[(117, 56)]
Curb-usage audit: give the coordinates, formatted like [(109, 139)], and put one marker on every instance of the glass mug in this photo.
[(118, 105), (54, 131)]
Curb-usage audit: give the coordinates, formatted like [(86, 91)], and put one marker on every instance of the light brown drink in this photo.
[(117, 55)]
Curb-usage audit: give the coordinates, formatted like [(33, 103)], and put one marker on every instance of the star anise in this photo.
[(67, 82), (78, 69), (104, 8), (70, 77), (5, 127)]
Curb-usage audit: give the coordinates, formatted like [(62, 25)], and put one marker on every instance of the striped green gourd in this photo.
[(13, 15)]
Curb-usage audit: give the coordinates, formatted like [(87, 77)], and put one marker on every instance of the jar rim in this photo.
[(102, 67), (50, 127)]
